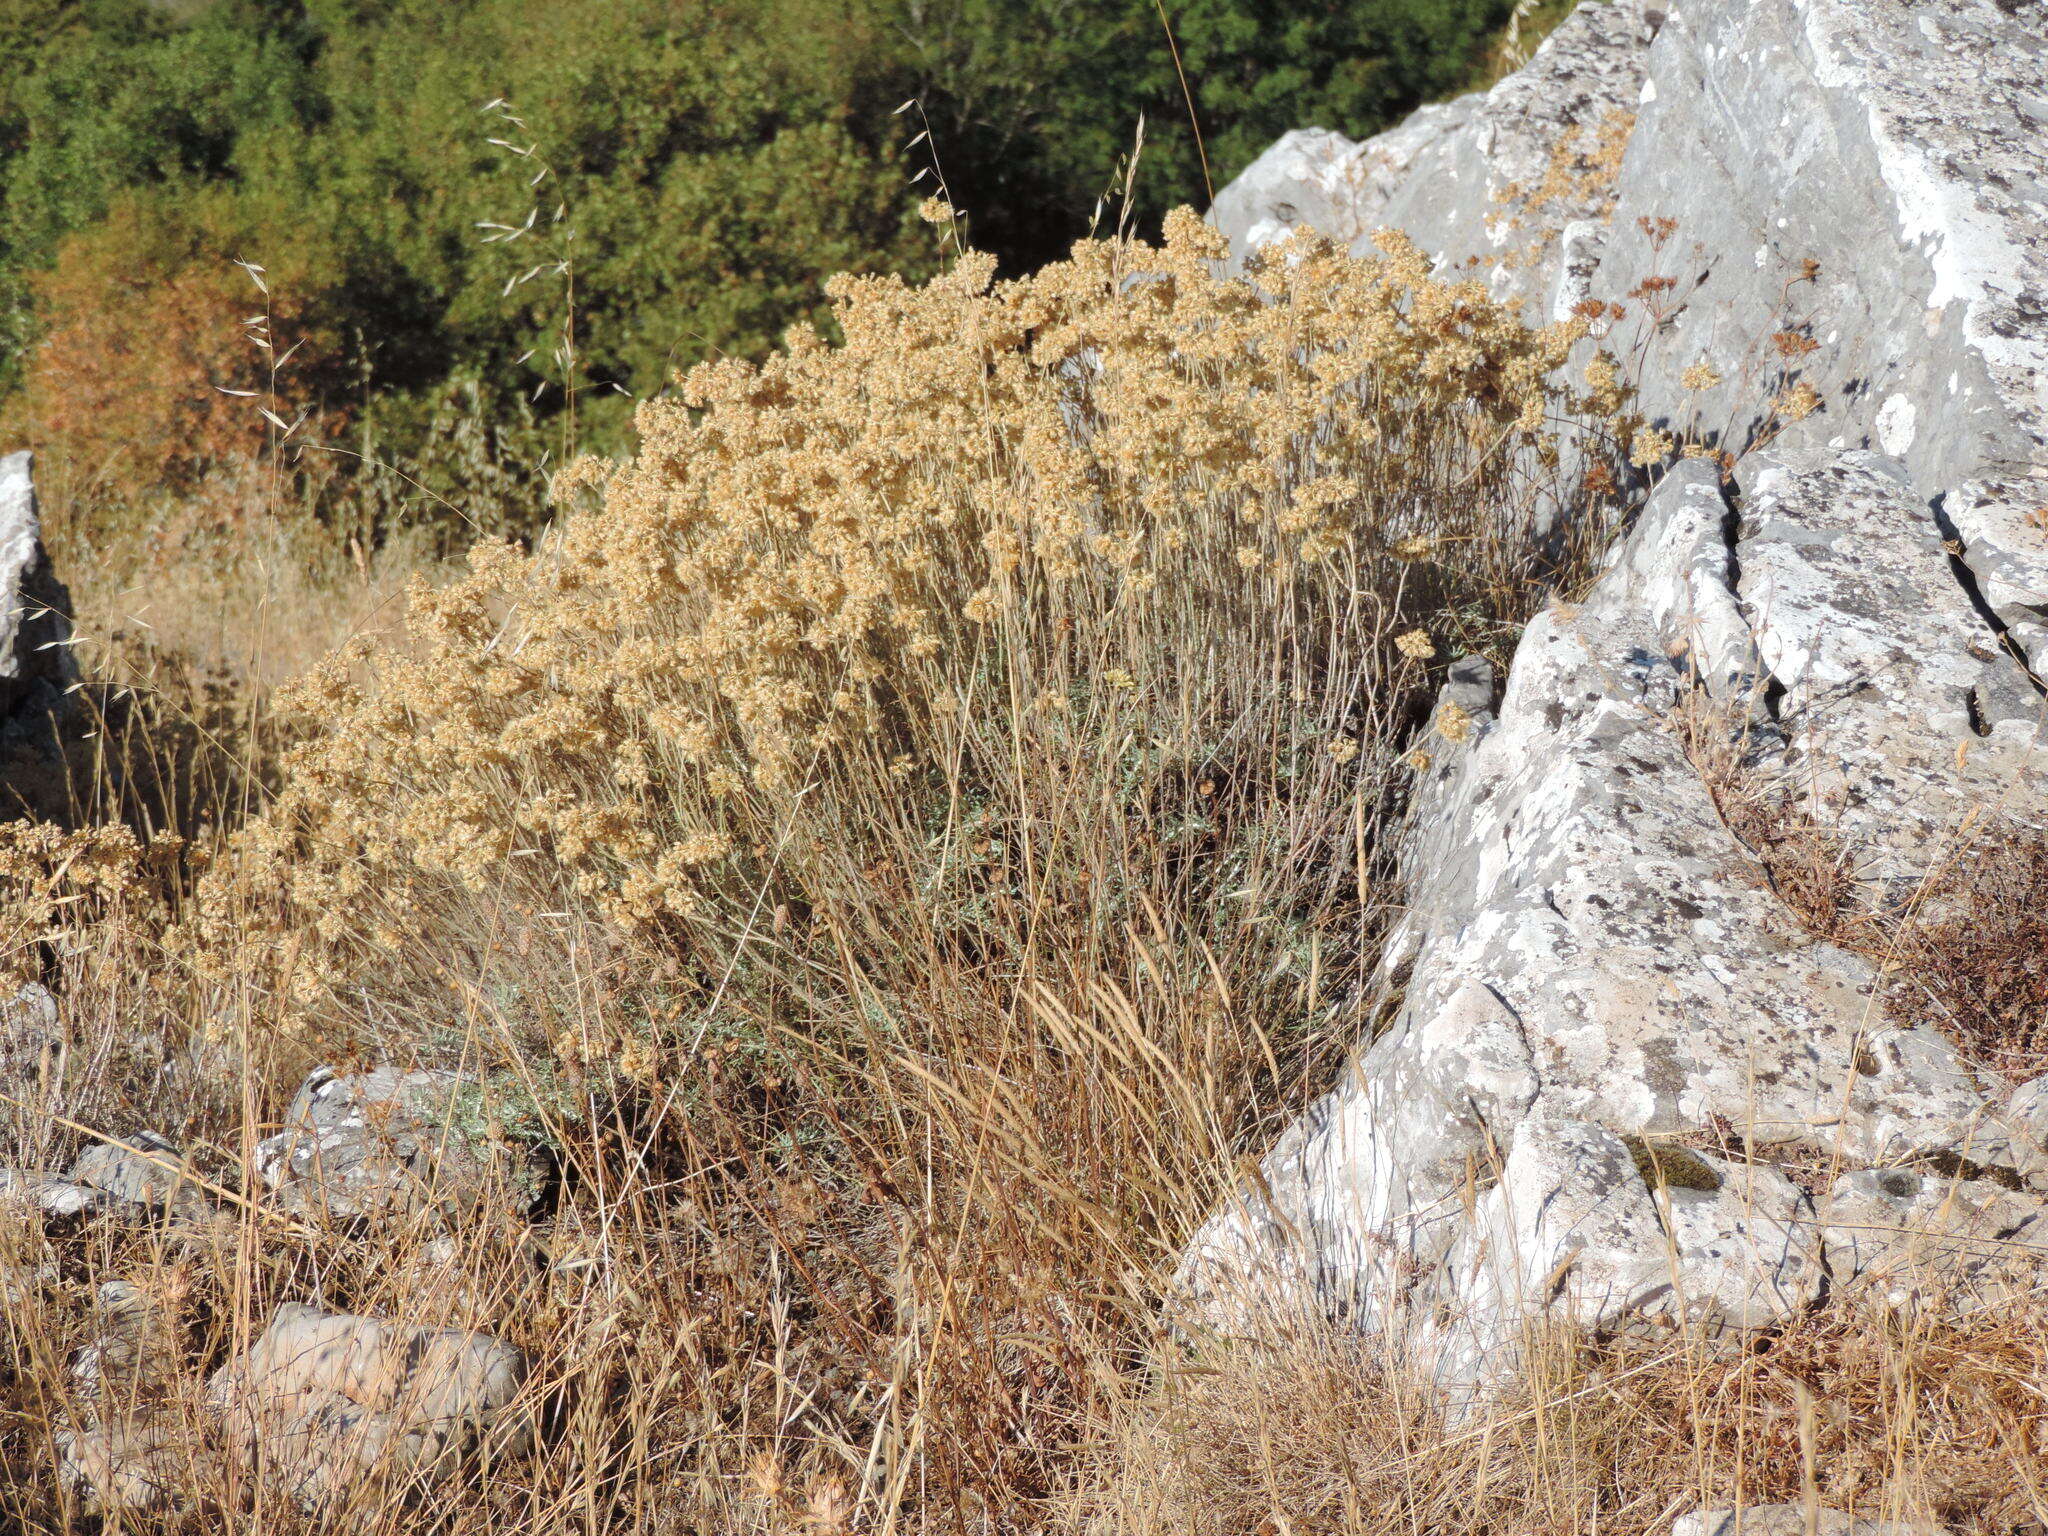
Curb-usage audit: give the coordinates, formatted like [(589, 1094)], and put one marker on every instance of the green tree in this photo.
[(101, 97), (1034, 102), (702, 165), (711, 165)]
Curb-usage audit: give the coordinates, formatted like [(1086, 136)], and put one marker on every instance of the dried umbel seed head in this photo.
[(1415, 644), (1798, 402), (1650, 446)]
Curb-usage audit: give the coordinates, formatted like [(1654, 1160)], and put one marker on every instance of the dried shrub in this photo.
[(1974, 955), (59, 883), (898, 599), (1935, 1419), (899, 848)]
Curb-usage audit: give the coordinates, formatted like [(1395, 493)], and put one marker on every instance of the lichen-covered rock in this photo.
[(386, 1141), (1849, 637), (145, 1171), (1587, 1228), (1915, 1237), (1590, 949), (1898, 146), (328, 1400), (35, 663), (1490, 182)]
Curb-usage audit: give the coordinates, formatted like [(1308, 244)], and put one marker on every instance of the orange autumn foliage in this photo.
[(149, 324)]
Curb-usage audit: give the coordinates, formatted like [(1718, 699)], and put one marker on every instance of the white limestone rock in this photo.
[(332, 1402), (1588, 946), (1585, 1229), (35, 661), (126, 1462), (1898, 143), (143, 1172), (1590, 960), (1913, 1236), (1449, 174), (1792, 1520), (386, 1141)]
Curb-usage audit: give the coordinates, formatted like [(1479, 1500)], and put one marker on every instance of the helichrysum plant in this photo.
[(840, 586)]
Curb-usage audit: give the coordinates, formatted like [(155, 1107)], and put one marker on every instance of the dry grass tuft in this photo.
[(1885, 1417), (1974, 958)]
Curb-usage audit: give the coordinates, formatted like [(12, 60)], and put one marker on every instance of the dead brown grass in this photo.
[(1865, 1412), (1966, 951), (1975, 954), (877, 1149)]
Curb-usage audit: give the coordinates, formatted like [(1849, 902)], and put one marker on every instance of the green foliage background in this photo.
[(715, 159)]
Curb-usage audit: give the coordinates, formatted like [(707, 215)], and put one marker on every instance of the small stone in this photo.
[(329, 1399), (1791, 1520), (126, 1462), (133, 1352), (52, 1197), (389, 1141), (145, 1170)]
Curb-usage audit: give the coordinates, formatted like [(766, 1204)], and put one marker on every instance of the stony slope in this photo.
[(1632, 1074)]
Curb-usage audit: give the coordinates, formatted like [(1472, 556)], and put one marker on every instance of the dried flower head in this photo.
[(1650, 446), (1798, 402), (1416, 645)]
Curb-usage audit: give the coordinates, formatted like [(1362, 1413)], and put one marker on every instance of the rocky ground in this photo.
[(1654, 1047), (1719, 996)]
